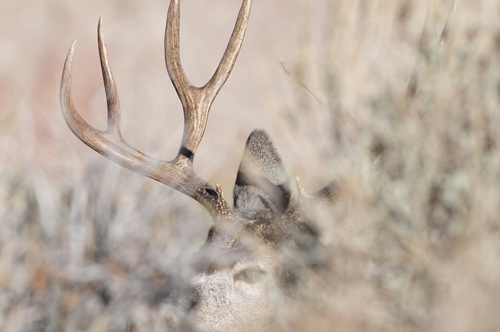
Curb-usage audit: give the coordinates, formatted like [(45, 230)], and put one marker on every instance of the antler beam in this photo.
[(196, 102)]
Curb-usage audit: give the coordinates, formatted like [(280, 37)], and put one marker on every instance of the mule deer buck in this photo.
[(241, 280)]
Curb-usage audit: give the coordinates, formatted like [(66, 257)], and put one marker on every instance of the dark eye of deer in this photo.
[(250, 276)]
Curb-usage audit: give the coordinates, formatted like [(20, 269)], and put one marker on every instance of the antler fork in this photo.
[(196, 102)]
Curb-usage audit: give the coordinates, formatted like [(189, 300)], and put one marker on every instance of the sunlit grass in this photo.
[(413, 241)]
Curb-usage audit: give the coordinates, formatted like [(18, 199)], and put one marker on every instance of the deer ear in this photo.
[(262, 182)]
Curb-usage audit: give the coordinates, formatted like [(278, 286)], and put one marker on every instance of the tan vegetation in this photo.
[(414, 239)]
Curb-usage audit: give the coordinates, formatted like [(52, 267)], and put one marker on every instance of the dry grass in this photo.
[(414, 240)]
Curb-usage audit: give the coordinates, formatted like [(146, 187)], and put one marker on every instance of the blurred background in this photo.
[(414, 238)]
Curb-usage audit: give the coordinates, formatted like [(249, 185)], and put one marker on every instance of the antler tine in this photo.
[(177, 174), (114, 114), (172, 53), (232, 50), (110, 142), (196, 101)]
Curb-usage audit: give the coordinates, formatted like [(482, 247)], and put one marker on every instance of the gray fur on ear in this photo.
[(262, 182)]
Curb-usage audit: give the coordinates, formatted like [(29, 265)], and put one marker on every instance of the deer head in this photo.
[(242, 278)]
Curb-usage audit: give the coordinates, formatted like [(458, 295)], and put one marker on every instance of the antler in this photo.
[(196, 102)]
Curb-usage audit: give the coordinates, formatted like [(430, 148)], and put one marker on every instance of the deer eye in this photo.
[(250, 276)]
